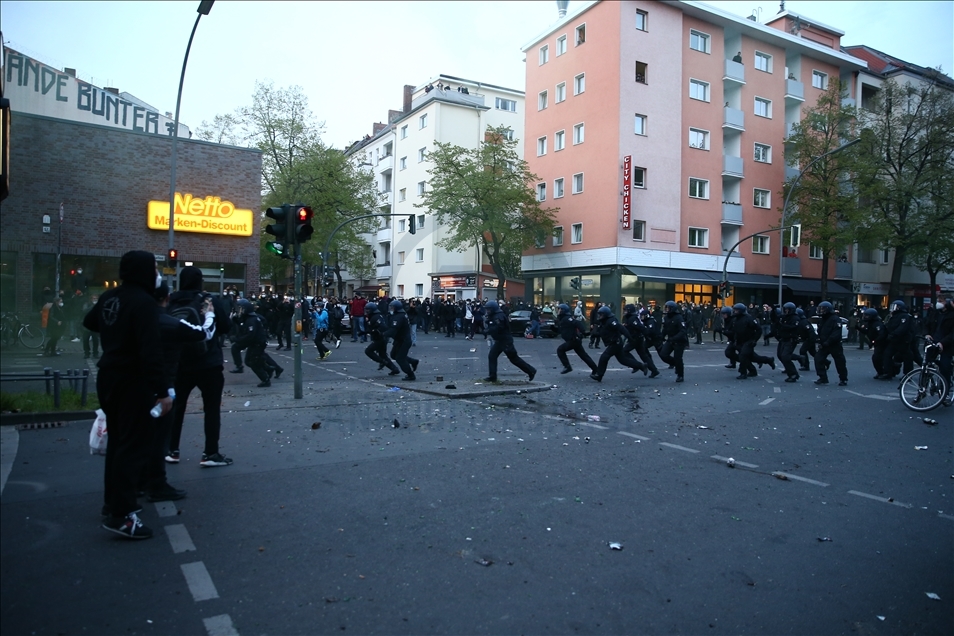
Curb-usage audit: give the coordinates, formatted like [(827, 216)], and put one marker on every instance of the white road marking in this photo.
[(602, 428), (797, 478), (943, 516), (633, 435), (166, 509), (778, 389), (877, 498), (474, 358), (737, 462), (199, 581), (220, 626), (886, 398), (766, 401), (770, 381), (179, 538), (9, 443), (677, 447)]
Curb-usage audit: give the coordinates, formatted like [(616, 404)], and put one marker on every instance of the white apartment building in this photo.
[(445, 109)]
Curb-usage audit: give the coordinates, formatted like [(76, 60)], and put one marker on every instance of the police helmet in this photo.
[(604, 312), (671, 307), (870, 313), (370, 308), (643, 312), (738, 307), (898, 305), (564, 309), (725, 311), (825, 307), (800, 312), (395, 304), (629, 309), (788, 308), (492, 307), (243, 306)]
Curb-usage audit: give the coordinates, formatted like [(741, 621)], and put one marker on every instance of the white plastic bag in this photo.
[(98, 434)]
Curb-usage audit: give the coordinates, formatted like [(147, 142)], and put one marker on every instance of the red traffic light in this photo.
[(72, 272), (305, 213)]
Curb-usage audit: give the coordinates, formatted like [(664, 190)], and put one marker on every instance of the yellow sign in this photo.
[(210, 215)]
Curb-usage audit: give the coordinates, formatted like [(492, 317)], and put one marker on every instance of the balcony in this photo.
[(385, 163), (383, 235), (384, 197), (733, 118), (843, 270), (732, 213), (384, 271), (732, 166), (794, 91), (734, 72), (791, 267), (791, 172), (789, 130)]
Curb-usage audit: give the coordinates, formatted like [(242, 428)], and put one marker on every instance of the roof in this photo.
[(806, 22), (886, 65)]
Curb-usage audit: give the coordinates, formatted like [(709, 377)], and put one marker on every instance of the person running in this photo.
[(614, 336), (677, 339), (400, 331), (321, 330), (498, 327), (571, 330), (376, 326)]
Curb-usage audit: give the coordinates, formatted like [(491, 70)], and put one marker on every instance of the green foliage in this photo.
[(485, 196), (37, 402)]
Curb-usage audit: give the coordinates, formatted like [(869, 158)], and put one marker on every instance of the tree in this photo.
[(935, 254), (485, 197), (904, 173), (823, 204)]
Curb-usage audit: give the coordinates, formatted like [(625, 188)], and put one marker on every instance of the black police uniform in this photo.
[(400, 330), (806, 333), (253, 336), (829, 343), (731, 352), (899, 333), (614, 336), (572, 333), (377, 350), (498, 327), (677, 339), (746, 333), (638, 341), (786, 331), (872, 328)]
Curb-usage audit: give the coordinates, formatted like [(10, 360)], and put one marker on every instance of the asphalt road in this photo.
[(494, 514)]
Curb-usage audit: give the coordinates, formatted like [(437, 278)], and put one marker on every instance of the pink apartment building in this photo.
[(657, 129)]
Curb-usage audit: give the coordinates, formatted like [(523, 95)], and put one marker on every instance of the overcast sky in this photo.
[(353, 58)]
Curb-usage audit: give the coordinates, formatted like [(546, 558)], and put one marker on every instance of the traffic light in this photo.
[(328, 276), (303, 227), (412, 224), (725, 289), (282, 229), (173, 257), (576, 283)]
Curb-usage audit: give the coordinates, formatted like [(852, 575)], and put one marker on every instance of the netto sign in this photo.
[(210, 215)]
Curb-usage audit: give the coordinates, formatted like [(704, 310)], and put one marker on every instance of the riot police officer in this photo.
[(614, 336), (872, 327), (571, 330), (746, 333), (640, 339), (498, 327), (899, 332), (677, 338), (400, 330), (731, 352), (253, 336), (806, 333), (375, 325), (829, 343), (786, 331)]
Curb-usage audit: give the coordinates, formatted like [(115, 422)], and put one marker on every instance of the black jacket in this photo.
[(674, 328), (829, 330), (498, 327), (899, 328), (568, 328), (745, 329), (612, 331), (376, 326), (173, 334), (399, 328), (786, 327), (874, 330), (251, 332), (223, 325)]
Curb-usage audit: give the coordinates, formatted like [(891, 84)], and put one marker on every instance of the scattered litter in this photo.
[(881, 618), (593, 418), (484, 562), (149, 621), (438, 378), (396, 424), (734, 518), (920, 448), (823, 539), (928, 420), (473, 350), (933, 596), (247, 403), (780, 476), (614, 545), (315, 426), (586, 439), (331, 599), (730, 462), (451, 386), (703, 427), (394, 389)]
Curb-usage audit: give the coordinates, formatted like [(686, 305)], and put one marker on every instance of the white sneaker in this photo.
[(75, 340), (337, 343)]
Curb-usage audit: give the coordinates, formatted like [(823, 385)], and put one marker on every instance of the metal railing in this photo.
[(78, 381)]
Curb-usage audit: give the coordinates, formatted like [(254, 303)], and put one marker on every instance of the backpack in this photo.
[(192, 314), (337, 313)]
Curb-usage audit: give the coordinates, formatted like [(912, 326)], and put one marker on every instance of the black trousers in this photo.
[(837, 354), (748, 356), (131, 436), (671, 353), (732, 353), (895, 353), (210, 382), (236, 356), (616, 350), (259, 362), (575, 345), (378, 351), (807, 352), (786, 352), (154, 475), (399, 352), (639, 346), (511, 352)]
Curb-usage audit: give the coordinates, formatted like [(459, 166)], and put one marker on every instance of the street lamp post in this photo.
[(204, 7), (789, 196)]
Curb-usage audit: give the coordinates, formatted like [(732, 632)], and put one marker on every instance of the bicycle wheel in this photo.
[(923, 390), (31, 337)]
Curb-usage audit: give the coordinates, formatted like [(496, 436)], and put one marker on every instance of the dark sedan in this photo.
[(519, 320)]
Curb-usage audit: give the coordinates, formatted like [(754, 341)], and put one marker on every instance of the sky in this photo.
[(352, 59)]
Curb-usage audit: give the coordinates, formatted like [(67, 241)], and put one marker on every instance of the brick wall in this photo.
[(105, 178)]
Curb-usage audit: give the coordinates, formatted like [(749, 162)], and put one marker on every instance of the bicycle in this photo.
[(924, 388), (14, 331)]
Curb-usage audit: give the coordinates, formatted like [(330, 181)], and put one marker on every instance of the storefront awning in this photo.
[(668, 275), (811, 286)]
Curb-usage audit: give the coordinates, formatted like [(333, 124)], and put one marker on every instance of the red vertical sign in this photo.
[(627, 189)]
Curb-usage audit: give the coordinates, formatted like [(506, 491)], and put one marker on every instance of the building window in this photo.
[(641, 72), (865, 255), (506, 104), (539, 241), (763, 153), (579, 83), (580, 34), (558, 236), (400, 289), (542, 100), (402, 163), (402, 227), (698, 188), (642, 20), (577, 233), (541, 192), (820, 80), (639, 230), (385, 250), (420, 221), (640, 125), (508, 134), (794, 236), (762, 198), (421, 154), (698, 41), (763, 107), (885, 254), (699, 138), (561, 45), (763, 62), (559, 140), (639, 177), (400, 258), (419, 255), (402, 194), (815, 252), (560, 92), (578, 183), (419, 289), (541, 146), (404, 131), (422, 121), (544, 54), (760, 244), (558, 188), (578, 134), (698, 237), (699, 90), (420, 188)]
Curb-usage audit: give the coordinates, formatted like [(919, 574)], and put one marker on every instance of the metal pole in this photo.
[(59, 251), (296, 334)]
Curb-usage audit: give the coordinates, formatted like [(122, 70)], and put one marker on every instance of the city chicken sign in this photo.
[(210, 215)]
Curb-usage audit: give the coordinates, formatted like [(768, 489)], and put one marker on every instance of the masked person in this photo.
[(677, 339), (399, 329), (829, 344), (376, 326), (498, 327), (571, 330), (786, 331)]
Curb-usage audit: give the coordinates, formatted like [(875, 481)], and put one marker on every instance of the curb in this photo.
[(20, 419), (536, 387)]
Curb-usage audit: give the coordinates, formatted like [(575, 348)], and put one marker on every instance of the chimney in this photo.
[(408, 94), (393, 115), (377, 127), (70, 71), (561, 8), (110, 89)]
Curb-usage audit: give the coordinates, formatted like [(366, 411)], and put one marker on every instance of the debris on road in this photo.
[(451, 386), (394, 389), (920, 448), (315, 426), (781, 476), (615, 545), (247, 403), (730, 463), (593, 418), (824, 539), (395, 423), (484, 562), (933, 596), (928, 420)]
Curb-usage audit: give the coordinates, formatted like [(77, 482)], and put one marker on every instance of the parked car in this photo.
[(843, 321), (520, 319)]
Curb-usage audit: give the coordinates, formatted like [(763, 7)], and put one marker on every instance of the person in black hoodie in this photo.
[(203, 371), (130, 382)]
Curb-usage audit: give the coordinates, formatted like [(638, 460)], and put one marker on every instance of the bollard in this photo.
[(83, 394), (47, 371), (56, 389)]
